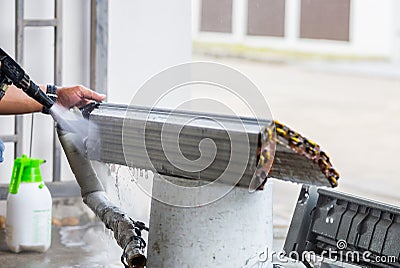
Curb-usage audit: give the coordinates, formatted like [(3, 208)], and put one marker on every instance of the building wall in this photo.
[(373, 27), (145, 37)]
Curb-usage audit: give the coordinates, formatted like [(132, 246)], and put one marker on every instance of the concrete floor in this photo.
[(61, 256), (352, 112)]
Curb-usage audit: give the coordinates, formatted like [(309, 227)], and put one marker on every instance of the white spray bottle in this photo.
[(29, 203)]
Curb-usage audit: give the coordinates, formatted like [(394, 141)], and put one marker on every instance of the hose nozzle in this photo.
[(38, 95), (12, 73)]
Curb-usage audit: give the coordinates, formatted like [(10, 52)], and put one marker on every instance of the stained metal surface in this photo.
[(115, 143)]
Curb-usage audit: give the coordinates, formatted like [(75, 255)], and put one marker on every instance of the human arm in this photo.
[(16, 101)]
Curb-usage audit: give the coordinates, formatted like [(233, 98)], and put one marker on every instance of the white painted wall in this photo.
[(372, 26), (374, 30), (145, 37), (396, 35)]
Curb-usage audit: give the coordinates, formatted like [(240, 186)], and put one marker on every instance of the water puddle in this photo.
[(80, 236), (96, 243)]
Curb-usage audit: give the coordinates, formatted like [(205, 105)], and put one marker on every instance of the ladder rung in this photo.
[(9, 138), (41, 23)]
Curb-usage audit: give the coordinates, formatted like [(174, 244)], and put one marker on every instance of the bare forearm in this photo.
[(16, 101)]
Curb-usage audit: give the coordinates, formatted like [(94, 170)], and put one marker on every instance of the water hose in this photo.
[(126, 231)]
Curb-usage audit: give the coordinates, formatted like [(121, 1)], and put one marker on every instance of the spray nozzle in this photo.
[(12, 73), (25, 170), (38, 95)]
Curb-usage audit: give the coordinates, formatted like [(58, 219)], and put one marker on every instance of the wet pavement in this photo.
[(87, 247)]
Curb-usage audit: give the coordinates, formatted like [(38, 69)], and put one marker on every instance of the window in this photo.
[(325, 19), (266, 17), (216, 16)]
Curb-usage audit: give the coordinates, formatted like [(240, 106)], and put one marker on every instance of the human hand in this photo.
[(77, 96)]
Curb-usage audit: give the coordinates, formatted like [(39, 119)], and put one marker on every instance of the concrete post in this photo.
[(230, 232)]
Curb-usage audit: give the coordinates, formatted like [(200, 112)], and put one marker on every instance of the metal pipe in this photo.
[(126, 231), (19, 56), (58, 63)]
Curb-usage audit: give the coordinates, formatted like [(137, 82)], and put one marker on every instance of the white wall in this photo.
[(372, 26), (145, 37), (374, 30), (396, 36)]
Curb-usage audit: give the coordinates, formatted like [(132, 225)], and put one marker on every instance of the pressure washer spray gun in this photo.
[(11, 73)]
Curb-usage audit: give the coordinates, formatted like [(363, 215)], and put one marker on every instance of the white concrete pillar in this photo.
[(230, 232), (196, 18), (239, 20), (292, 21), (396, 33)]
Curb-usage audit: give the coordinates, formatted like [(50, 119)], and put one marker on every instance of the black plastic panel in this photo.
[(345, 226)]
